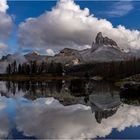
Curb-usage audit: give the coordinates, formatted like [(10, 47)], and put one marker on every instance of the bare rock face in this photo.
[(104, 43), (100, 40), (67, 57), (67, 52), (108, 41), (103, 49), (35, 56)]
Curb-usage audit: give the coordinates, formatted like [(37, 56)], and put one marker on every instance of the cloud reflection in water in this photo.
[(47, 118)]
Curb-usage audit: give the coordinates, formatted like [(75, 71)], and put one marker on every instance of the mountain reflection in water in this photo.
[(64, 109)]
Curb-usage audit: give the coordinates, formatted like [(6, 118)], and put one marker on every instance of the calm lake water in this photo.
[(67, 110)]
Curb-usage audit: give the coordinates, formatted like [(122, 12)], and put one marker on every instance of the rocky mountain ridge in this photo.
[(103, 50), (101, 41)]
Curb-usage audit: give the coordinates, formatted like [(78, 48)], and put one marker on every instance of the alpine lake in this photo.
[(73, 109)]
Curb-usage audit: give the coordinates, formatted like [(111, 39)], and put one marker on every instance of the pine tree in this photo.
[(28, 69), (19, 69), (14, 67), (59, 69), (8, 70)]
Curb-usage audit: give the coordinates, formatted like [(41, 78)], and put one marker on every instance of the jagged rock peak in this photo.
[(32, 54), (5, 57), (67, 52), (35, 53), (100, 40)]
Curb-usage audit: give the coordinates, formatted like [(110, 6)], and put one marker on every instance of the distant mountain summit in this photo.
[(35, 56), (67, 57), (101, 41), (103, 50)]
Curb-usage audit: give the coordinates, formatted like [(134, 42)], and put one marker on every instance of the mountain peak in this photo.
[(35, 53), (67, 51), (6, 57), (100, 40)]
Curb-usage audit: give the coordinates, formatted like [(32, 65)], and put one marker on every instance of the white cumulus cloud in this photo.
[(3, 5), (67, 25), (2, 45), (6, 25), (50, 52)]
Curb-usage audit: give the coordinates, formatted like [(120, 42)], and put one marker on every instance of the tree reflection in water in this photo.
[(103, 98), (93, 102)]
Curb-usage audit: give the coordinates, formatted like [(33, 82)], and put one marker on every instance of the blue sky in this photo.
[(126, 13), (25, 9)]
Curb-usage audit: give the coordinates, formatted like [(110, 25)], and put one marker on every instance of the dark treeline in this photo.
[(33, 88), (119, 69), (77, 88), (34, 68)]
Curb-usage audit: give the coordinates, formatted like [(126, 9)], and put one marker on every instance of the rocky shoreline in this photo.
[(130, 85)]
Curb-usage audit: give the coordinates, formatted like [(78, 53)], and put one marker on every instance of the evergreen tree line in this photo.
[(34, 68), (119, 69), (33, 87)]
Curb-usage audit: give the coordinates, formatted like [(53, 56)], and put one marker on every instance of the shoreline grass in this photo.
[(42, 77)]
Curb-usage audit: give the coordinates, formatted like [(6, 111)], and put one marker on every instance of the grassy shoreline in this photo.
[(20, 77)]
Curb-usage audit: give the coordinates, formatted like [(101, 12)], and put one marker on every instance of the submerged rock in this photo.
[(131, 87)]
